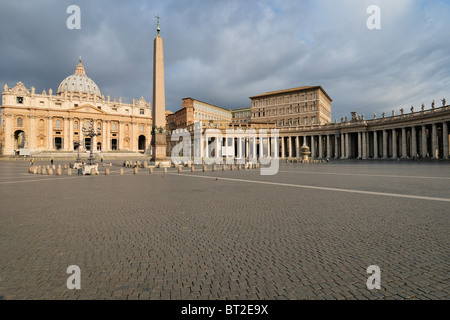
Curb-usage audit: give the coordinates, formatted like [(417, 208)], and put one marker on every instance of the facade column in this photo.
[(394, 143), (434, 142), (50, 133), (313, 148), (445, 140), (71, 134), (375, 145), (297, 146), (9, 146), (404, 151), (413, 143), (32, 134), (423, 144), (385, 146), (107, 131)]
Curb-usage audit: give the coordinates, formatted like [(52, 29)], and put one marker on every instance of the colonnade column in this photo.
[(336, 147), (413, 142), (313, 148), (385, 148), (359, 145), (343, 135), (434, 146), (404, 152), (394, 143), (364, 145), (297, 146), (290, 147), (328, 152), (445, 140), (282, 148), (246, 148), (375, 145), (347, 146), (320, 147), (423, 142)]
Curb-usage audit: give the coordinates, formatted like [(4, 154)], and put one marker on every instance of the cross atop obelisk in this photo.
[(159, 100), (158, 29)]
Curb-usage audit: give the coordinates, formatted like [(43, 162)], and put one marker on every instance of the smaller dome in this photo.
[(79, 83)]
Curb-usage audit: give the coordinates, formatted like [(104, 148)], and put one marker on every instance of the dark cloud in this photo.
[(224, 51)]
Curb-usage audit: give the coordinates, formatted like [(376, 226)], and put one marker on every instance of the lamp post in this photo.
[(90, 132)]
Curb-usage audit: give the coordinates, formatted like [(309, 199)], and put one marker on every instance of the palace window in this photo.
[(114, 127), (141, 128), (142, 111), (75, 125), (19, 122), (19, 100)]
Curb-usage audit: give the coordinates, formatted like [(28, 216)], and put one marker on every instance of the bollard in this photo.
[(121, 171), (145, 164), (232, 167), (93, 172), (58, 171), (65, 166), (150, 170), (192, 169), (44, 171), (224, 167), (69, 171), (239, 167), (107, 172), (50, 172), (164, 170), (214, 167), (53, 167), (179, 169), (135, 170), (204, 168)]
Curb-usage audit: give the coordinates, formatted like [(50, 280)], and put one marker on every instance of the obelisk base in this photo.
[(159, 147)]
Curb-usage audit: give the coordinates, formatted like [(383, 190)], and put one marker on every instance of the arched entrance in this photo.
[(99, 146), (19, 139), (142, 141)]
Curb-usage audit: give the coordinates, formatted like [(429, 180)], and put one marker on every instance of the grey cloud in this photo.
[(225, 51)]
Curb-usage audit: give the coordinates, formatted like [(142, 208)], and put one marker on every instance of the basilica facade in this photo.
[(33, 123)]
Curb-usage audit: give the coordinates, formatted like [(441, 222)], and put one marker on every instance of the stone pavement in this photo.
[(309, 232)]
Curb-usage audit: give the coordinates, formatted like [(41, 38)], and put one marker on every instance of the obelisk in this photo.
[(159, 102)]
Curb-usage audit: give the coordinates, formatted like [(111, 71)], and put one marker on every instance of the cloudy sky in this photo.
[(224, 51)]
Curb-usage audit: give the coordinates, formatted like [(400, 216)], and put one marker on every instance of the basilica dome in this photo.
[(79, 83)]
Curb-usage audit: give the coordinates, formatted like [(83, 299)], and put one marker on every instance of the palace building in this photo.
[(297, 106), (34, 123)]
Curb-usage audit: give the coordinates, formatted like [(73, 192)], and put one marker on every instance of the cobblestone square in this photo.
[(309, 232)]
